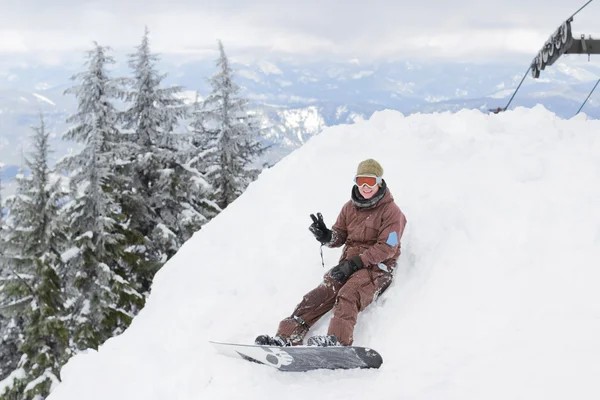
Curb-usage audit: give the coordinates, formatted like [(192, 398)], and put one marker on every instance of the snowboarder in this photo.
[(370, 226)]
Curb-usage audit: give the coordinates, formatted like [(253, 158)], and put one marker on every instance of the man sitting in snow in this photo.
[(370, 227)]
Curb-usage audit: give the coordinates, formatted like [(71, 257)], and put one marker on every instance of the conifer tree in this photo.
[(104, 299), (1, 204), (229, 135), (9, 342), (33, 289), (9, 325), (163, 199)]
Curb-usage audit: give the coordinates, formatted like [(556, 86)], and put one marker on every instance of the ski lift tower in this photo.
[(559, 43), (562, 42)]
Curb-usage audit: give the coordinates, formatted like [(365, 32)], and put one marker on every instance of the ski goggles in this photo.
[(370, 181)]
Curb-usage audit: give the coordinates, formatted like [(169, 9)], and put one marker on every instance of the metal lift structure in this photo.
[(559, 43)]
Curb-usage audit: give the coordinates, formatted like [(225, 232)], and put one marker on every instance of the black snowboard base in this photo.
[(303, 358)]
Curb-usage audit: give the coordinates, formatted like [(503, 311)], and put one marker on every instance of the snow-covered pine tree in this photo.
[(162, 202), (195, 153), (33, 290), (9, 325), (103, 298), (1, 204), (229, 134), (9, 343)]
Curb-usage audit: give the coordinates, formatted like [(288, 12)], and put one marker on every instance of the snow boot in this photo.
[(266, 340), (323, 341)]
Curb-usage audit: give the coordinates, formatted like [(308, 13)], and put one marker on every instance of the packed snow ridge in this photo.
[(495, 297)]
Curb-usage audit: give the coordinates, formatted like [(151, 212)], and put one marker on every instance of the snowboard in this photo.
[(303, 358)]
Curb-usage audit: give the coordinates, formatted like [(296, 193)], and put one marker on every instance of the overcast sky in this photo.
[(474, 30)]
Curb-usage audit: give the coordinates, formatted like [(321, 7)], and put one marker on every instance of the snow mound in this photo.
[(496, 294)]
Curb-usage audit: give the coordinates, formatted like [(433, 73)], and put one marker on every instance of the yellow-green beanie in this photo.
[(369, 167)]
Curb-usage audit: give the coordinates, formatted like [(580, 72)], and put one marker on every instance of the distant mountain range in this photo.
[(296, 101)]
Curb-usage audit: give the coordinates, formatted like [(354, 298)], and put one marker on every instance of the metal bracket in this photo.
[(585, 46)]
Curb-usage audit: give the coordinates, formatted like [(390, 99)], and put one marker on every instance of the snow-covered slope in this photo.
[(496, 294)]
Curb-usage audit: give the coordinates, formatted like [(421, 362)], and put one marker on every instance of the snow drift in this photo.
[(496, 294)]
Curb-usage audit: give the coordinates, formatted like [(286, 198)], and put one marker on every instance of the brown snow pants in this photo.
[(347, 300)]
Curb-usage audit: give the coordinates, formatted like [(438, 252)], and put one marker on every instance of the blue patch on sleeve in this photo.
[(392, 239)]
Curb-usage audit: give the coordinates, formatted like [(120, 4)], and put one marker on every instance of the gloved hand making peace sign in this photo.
[(319, 229)]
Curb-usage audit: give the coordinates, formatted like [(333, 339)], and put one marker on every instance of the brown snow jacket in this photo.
[(371, 229)]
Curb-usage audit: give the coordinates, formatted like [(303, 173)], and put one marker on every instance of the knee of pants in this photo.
[(349, 292), (348, 299), (356, 295)]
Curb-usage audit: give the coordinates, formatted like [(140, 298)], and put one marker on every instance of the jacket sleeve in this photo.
[(388, 240), (339, 229)]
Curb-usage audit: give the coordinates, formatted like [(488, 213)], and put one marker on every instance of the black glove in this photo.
[(319, 229), (342, 272)]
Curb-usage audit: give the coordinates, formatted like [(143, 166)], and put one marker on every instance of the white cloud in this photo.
[(12, 42), (502, 94), (249, 75), (576, 72), (269, 68), (48, 31), (362, 74)]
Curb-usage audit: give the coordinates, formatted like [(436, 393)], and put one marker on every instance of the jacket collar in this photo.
[(360, 202)]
